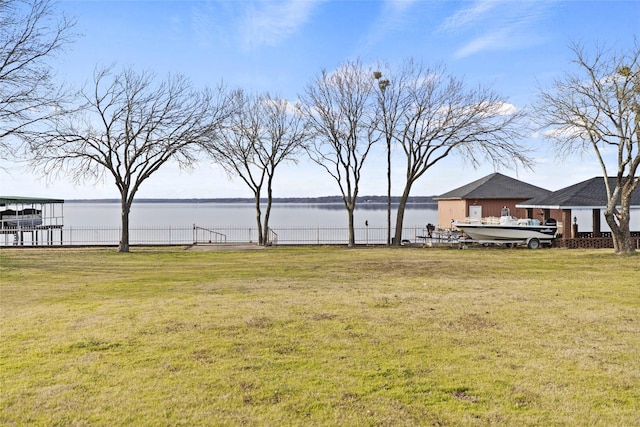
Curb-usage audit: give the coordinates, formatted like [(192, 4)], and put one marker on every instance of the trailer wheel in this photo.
[(533, 244)]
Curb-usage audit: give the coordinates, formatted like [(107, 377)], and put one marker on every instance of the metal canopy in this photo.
[(12, 200)]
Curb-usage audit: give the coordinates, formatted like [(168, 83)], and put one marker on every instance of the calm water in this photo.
[(293, 223), (282, 215), (241, 215)]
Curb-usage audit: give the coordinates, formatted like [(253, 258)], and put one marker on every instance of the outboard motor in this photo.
[(550, 222)]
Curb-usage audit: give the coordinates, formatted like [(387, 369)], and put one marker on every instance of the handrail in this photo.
[(272, 237), (217, 237)]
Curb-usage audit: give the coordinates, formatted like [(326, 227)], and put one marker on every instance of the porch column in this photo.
[(566, 224), (595, 220)]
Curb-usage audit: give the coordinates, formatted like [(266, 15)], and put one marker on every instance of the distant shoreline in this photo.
[(308, 200)]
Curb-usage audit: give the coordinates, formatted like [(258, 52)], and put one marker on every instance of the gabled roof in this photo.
[(589, 194), (495, 186)]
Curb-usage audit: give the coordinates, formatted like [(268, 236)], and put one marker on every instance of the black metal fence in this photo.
[(169, 235)]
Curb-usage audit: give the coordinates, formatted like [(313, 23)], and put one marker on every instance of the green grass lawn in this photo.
[(320, 336)]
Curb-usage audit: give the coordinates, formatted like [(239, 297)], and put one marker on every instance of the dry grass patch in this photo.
[(319, 336)]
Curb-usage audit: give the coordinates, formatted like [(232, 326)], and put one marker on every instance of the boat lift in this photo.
[(32, 220)]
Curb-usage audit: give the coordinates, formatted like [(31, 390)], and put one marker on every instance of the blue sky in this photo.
[(279, 46)]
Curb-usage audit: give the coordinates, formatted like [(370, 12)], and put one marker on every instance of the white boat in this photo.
[(508, 229)]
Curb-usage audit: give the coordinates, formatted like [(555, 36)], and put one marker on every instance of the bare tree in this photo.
[(597, 109), (30, 36), (432, 115), (339, 108), (263, 132), (128, 127)]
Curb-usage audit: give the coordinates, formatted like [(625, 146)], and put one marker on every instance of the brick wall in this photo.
[(590, 243)]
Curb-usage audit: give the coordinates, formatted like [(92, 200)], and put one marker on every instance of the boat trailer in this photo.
[(531, 243)]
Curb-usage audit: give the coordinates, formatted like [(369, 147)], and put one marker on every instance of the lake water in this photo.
[(282, 215), (291, 223), (242, 215)]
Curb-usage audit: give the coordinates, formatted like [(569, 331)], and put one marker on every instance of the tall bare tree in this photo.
[(339, 107), (30, 36), (431, 115), (387, 102), (597, 109), (128, 127), (263, 132)]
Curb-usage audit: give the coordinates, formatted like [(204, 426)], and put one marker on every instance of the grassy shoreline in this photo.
[(319, 336)]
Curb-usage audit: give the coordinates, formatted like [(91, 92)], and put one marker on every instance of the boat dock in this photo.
[(37, 221)]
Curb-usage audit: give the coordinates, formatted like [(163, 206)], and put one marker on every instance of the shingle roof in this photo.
[(495, 186), (591, 193)]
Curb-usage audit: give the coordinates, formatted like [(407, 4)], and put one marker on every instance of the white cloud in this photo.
[(497, 25), (506, 109), (491, 41), (468, 16), (269, 23), (393, 15), (563, 132), (399, 6), (210, 24)]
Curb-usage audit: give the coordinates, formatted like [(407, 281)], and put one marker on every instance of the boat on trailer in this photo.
[(509, 230)]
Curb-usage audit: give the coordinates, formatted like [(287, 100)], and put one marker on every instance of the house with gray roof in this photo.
[(589, 194), (487, 196), (585, 195)]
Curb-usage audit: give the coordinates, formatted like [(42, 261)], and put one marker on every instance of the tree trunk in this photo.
[(124, 237), (388, 192), (620, 232), (259, 219), (352, 238), (267, 213), (400, 215)]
